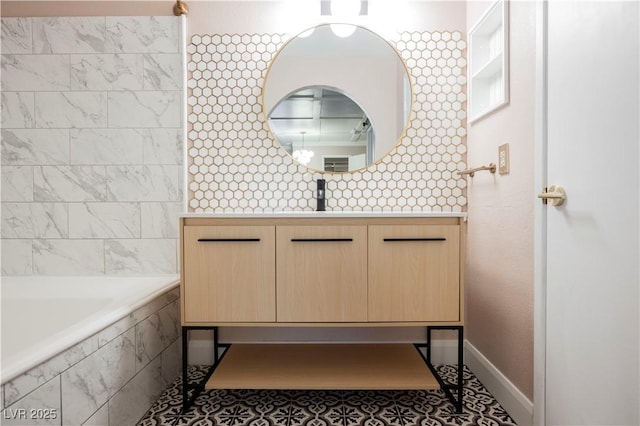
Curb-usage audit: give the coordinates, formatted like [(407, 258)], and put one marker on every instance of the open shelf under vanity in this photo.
[(322, 366)]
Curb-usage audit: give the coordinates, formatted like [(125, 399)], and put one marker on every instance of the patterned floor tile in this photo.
[(328, 408), (195, 421), (163, 420)]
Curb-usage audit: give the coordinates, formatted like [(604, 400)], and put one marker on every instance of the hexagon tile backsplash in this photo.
[(235, 165)]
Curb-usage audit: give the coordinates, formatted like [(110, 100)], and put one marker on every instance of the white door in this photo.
[(592, 240)]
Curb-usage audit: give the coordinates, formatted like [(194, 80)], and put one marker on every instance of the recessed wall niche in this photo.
[(235, 165)]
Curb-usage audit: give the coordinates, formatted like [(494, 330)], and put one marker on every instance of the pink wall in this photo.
[(86, 8), (499, 274)]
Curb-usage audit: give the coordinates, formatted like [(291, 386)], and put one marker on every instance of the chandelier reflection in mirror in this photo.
[(324, 123), (303, 155)]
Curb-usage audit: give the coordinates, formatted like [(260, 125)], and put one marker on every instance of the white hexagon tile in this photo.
[(235, 165)]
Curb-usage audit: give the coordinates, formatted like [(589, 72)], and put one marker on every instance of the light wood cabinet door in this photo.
[(229, 273), (414, 273), (321, 273)]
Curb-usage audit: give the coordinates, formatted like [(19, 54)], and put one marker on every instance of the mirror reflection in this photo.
[(337, 104), (324, 129)]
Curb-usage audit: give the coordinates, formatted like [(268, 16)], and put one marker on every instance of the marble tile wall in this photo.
[(111, 378), (92, 140)]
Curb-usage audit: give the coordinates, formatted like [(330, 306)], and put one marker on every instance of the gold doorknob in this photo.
[(554, 195)]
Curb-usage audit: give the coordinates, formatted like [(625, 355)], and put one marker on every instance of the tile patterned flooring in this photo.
[(327, 408)]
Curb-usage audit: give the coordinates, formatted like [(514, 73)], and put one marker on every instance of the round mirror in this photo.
[(337, 103)]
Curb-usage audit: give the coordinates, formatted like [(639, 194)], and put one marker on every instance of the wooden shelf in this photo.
[(322, 366)]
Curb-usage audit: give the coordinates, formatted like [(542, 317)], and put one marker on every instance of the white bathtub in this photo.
[(42, 315)]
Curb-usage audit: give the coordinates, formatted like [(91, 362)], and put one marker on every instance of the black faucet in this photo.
[(320, 196)]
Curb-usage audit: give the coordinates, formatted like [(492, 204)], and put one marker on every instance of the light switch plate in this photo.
[(503, 159)]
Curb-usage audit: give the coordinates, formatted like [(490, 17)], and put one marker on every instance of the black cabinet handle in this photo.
[(228, 240), (320, 240), (416, 239)]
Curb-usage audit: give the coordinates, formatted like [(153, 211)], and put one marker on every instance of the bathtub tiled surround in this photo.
[(92, 140), (111, 378)]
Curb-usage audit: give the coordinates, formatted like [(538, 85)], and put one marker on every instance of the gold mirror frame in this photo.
[(403, 133)]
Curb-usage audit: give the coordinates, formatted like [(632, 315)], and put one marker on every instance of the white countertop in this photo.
[(309, 213)]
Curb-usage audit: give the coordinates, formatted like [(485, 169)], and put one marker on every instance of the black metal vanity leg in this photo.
[(429, 345), (456, 400), (216, 346), (459, 405), (185, 379)]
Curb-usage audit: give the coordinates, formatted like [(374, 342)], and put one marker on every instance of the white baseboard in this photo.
[(200, 352), (519, 407)]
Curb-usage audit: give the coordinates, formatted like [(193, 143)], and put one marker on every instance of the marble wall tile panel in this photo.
[(71, 110), (156, 333), (100, 417), (46, 397), (107, 146), (124, 324), (89, 384), (141, 256), (70, 183), (35, 220), (35, 146), (163, 71), (34, 72), (145, 109), (17, 257), (17, 183), (135, 398), (119, 327), (104, 220), (172, 361), (18, 110), (91, 113), (160, 220), (163, 146), (160, 34), (68, 257), (106, 72), (144, 183), (27, 382), (156, 304), (115, 329), (69, 35), (16, 35)]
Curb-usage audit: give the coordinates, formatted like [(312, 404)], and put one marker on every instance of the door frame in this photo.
[(540, 216)]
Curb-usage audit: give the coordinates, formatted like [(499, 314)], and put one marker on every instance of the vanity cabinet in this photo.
[(321, 273), (369, 270), (228, 274), (330, 270), (414, 273)]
